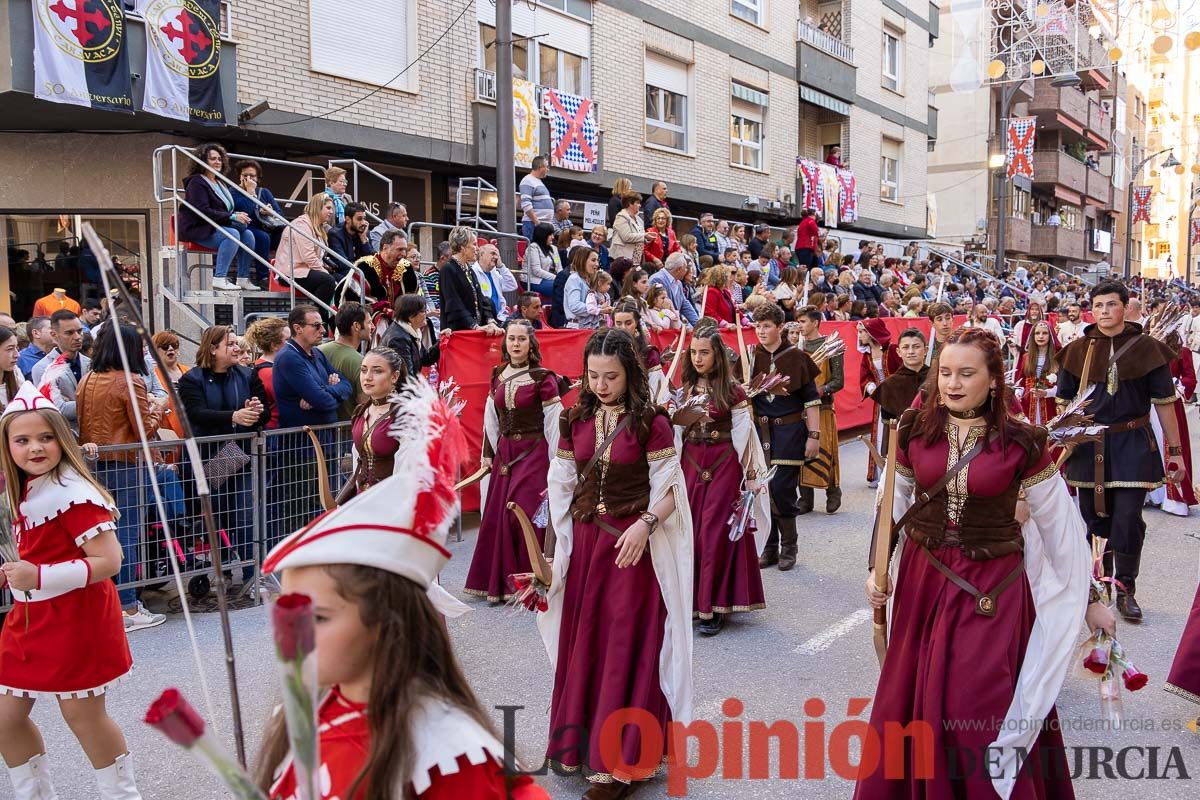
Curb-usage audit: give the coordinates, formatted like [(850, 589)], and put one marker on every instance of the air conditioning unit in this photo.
[(775, 205)]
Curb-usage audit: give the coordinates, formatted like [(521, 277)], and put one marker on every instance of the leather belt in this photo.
[(706, 475), (786, 419), (985, 602), (694, 437), (507, 468), (1098, 501), (518, 436)]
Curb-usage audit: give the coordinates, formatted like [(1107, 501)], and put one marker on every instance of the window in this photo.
[(1018, 203), (666, 102), (487, 46), (747, 110), (559, 69), (749, 10), (385, 41), (1070, 217), (891, 61), (578, 8), (889, 170)]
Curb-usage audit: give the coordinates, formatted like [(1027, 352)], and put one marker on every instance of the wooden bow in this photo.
[(474, 477), (883, 539), (537, 562), (327, 501)]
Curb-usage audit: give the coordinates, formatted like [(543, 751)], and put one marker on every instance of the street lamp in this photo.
[(1171, 161), (1065, 81)]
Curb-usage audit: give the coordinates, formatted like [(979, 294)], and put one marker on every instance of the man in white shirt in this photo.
[(536, 203), (980, 319), (1071, 328), (395, 219), (494, 278)]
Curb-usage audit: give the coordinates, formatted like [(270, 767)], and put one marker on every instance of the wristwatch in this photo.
[(650, 519), (814, 434), (1175, 451)]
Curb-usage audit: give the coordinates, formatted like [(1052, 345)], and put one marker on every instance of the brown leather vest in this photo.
[(521, 423), (986, 528)]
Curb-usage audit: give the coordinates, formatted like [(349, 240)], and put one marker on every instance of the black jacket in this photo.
[(614, 208), (410, 350), (348, 246), (558, 314), (463, 305), (199, 193), (209, 400), (868, 294)]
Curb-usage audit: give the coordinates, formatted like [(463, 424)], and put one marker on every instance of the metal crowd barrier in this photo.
[(275, 494)]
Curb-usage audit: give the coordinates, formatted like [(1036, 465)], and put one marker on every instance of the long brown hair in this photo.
[(1029, 369), (72, 457), (618, 343), (535, 351), (413, 661), (11, 384), (931, 419), (720, 380)]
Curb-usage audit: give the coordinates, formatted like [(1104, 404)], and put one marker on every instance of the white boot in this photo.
[(31, 780), (116, 780)]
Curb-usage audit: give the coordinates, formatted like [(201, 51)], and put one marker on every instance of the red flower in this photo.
[(292, 621), (1097, 659), (175, 717), (1134, 678)]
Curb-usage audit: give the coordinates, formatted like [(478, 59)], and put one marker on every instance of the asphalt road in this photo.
[(813, 641)]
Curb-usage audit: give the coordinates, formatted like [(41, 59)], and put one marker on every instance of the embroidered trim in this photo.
[(727, 610), (604, 777), (491, 598), (1162, 401), (956, 491), (79, 694), (1116, 484), (92, 533), (1047, 472), (1180, 692), (567, 454), (812, 403), (905, 471), (787, 462), (742, 404), (655, 455)]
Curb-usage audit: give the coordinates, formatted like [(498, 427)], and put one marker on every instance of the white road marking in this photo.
[(827, 637)]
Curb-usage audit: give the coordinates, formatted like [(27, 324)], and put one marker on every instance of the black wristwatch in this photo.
[(814, 434)]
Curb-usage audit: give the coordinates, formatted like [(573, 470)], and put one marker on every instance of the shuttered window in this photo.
[(368, 40)]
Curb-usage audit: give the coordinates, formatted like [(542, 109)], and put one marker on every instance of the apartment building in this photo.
[(716, 97), (1067, 213)]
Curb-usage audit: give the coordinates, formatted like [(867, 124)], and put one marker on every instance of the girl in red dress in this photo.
[(1037, 383), (875, 343), (987, 608), (626, 318), (64, 637), (617, 626), (398, 719), (720, 456), (520, 431)]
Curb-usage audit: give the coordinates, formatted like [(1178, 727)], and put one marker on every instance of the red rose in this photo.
[(1097, 660), (175, 717), (292, 621), (1134, 678)]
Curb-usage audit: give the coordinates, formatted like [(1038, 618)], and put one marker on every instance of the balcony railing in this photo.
[(485, 92), (826, 42)]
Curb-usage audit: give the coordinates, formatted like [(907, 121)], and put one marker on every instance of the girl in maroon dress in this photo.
[(381, 372), (721, 456), (1038, 379), (620, 600), (520, 431), (1184, 678), (986, 610), (398, 718), (627, 318), (875, 343), (64, 637)]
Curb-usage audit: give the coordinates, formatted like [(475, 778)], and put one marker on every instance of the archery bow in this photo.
[(474, 477), (327, 501), (537, 561), (883, 539), (108, 275)]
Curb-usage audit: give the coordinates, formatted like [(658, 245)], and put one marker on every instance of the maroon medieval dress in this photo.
[(727, 576), (612, 627), (374, 448), (515, 440), (1184, 678), (947, 663)]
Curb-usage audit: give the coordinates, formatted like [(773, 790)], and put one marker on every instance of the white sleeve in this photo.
[(560, 489), (550, 414), (1057, 563), (491, 432), (750, 455)]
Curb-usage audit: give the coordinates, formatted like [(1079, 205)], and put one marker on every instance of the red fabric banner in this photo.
[(468, 358)]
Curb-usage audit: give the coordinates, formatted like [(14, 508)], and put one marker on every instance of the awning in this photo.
[(824, 101), (1097, 77), (1099, 140), (1067, 196), (1065, 120), (752, 96)]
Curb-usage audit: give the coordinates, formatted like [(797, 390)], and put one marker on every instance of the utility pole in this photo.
[(506, 179)]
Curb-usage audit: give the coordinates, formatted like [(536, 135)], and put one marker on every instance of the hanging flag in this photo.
[(848, 195), (183, 59), (79, 54), (1019, 146), (574, 134), (525, 122), (813, 195), (1141, 203), (1196, 231)]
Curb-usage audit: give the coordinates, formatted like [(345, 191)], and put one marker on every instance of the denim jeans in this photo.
[(262, 246), (227, 248), (121, 481), (544, 287)]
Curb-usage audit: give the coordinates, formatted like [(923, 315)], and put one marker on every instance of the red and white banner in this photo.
[(1141, 203), (1196, 231), (1019, 146)]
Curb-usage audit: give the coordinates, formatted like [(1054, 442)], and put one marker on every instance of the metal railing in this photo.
[(485, 92), (825, 42)]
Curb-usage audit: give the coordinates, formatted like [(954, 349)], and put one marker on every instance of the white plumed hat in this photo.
[(27, 398)]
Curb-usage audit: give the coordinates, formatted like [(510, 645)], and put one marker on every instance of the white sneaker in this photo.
[(224, 285), (246, 285), (141, 618)]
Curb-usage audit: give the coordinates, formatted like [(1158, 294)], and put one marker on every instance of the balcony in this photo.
[(1055, 241), (1056, 167), (825, 63), (1117, 86), (485, 92), (1099, 189), (1058, 109), (1099, 124), (1016, 234)]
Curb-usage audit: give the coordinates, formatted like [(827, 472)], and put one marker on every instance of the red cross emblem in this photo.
[(575, 125), (82, 16), (193, 43), (1141, 204), (1020, 141)]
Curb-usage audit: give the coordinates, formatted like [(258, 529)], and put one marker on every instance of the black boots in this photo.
[(1125, 571), (787, 543), (805, 504), (770, 553), (833, 499), (711, 627)]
